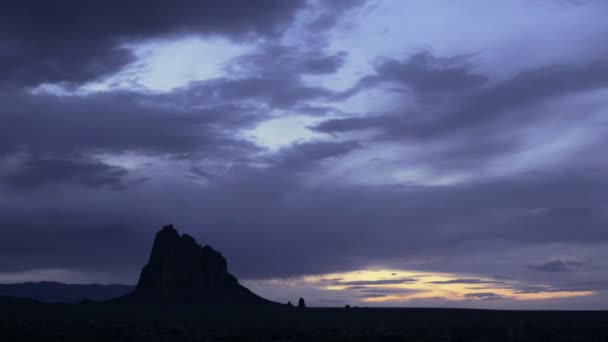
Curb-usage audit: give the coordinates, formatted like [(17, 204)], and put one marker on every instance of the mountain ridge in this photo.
[(57, 292), (181, 271)]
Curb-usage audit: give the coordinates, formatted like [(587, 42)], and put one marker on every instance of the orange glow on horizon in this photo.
[(429, 285)]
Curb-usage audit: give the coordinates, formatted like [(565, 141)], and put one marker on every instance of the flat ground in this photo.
[(102, 323)]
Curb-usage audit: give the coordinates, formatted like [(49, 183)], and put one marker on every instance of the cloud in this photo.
[(484, 106), (273, 92), (491, 125), (375, 282), (466, 281), (305, 155), (569, 211), (423, 73), (556, 265), (484, 296), (466, 166), (384, 290), (70, 42), (534, 289), (117, 122), (284, 61), (47, 171), (326, 16), (372, 295), (327, 223)]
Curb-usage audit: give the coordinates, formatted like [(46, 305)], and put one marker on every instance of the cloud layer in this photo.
[(437, 158)]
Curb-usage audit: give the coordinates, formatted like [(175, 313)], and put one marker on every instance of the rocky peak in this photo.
[(301, 303), (180, 271)]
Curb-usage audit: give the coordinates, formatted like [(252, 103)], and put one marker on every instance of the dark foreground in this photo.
[(24, 322)]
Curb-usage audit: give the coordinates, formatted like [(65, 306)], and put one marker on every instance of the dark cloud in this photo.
[(323, 65), (592, 285), (274, 92), (385, 290), (307, 155), (423, 73), (486, 105), (477, 122), (534, 289), (119, 122), (282, 61), (52, 171), (327, 223), (327, 16), (528, 87), (352, 124), (465, 281), (331, 279), (271, 77), (556, 265), (484, 296), (69, 41), (376, 282), (88, 240), (289, 212)]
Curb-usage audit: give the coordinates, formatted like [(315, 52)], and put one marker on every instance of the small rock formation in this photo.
[(182, 272), (289, 305), (301, 303), (347, 307)]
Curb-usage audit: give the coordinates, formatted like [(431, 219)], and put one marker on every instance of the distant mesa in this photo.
[(54, 292), (9, 300), (180, 271)]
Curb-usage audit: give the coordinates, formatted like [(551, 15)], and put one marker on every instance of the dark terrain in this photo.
[(54, 292), (185, 293), (57, 322)]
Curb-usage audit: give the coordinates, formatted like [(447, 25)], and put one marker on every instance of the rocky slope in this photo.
[(180, 271)]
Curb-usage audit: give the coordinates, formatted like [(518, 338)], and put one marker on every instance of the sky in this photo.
[(362, 152)]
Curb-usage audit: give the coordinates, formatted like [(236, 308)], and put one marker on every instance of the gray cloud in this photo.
[(534, 289), (477, 122), (280, 61), (484, 296), (327, 16), (372, 295), (377, 282), (466, 281), (327, 223), (306, 155), (486, 105), (423, 73), (118, 122), (70, 42), (46, 171), (384, 290), (295, 210), (274, 92), (556, 265)]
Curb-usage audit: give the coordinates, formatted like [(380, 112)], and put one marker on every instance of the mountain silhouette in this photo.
[(54, 292), (180, 271)]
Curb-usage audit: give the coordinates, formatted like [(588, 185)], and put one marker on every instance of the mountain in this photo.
[(5, 301), (180, 271), (53, 292)]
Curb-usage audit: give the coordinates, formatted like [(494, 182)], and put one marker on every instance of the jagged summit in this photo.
[(181, 271)]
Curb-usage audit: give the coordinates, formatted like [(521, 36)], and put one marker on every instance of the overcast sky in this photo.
[(392, 153)]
